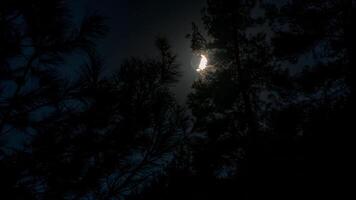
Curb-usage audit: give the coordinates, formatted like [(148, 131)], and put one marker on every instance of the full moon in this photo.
[(203, 63)]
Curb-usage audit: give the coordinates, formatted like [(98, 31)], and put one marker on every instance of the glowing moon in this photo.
[(203, 63)]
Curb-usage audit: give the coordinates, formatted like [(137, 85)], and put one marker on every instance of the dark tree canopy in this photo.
[(90, 135), (269, 118), (268, 123)]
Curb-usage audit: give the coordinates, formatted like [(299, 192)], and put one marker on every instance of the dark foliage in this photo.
[(268, 123), (91, 135), (270, 115)]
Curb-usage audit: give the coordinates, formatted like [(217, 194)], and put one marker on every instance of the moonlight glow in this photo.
[(203, 63)]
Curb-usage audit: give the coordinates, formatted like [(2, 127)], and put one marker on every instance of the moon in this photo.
[(203, 63)]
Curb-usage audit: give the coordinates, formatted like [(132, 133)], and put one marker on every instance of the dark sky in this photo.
[(134, 25)]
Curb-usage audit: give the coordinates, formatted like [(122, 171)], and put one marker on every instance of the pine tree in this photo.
[(93, 134), (226, 101), (323, 89)]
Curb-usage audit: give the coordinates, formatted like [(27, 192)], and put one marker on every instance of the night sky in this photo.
[(135, 24)]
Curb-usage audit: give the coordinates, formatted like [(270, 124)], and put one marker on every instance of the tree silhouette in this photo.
[(323, 91), (123, 130), (226, 103), (93, 135), (265, 116), (269, 116), (40, 36)]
